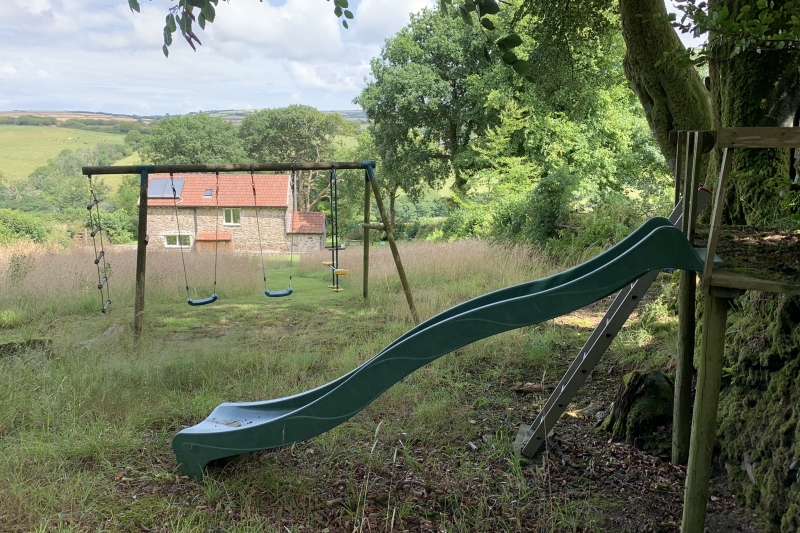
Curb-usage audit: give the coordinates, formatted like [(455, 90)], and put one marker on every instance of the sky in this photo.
[(97, 55)]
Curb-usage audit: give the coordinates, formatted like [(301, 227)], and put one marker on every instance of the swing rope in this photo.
[(213, 297), (178, 224), (274, 294), (102, 277)]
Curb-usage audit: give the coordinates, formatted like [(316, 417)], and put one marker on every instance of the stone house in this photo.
[(227, 221)]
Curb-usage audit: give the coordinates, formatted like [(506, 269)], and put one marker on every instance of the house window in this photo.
[(171, 241), (232, 217), (208, 193)]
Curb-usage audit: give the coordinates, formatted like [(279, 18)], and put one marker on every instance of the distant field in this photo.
[(61, 116), (113, 180), (25, 148)]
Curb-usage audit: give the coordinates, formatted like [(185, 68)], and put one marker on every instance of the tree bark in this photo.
[(673, 98), (752, 89)]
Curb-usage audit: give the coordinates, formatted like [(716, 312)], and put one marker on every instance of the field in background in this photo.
[(25, 148)]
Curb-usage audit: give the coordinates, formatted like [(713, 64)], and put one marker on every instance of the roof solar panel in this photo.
[(162, 187)]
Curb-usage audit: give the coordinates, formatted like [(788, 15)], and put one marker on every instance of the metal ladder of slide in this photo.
[(530, 438)]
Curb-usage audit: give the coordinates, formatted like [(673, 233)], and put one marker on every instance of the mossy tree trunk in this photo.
[(673, 98)]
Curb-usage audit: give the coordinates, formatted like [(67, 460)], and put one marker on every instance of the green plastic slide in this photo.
[(236, 428)]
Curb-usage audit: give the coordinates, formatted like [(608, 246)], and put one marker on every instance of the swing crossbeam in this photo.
[(261, 167)]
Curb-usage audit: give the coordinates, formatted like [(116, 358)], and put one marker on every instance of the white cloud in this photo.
[(7, 71), (97, 55)]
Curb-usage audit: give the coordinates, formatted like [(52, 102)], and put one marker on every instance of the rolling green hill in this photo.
[(24, 148)]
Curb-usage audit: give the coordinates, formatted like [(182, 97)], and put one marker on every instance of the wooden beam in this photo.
[(684, 360), (735, 280), (758, 138), (704, 422), (375, 226), (261, 167), (141, 258), (716, 219), (393, 245)]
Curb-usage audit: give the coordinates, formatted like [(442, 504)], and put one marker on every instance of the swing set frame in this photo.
[(144, 172)]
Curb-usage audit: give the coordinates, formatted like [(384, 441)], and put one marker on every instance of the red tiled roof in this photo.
[(209, 236), (235, 190), (313, 222)]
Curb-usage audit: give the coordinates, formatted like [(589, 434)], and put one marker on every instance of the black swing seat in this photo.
[(203, 301), (278, 294)]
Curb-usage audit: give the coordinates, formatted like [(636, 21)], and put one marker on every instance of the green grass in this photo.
[(25, 148), (86, 424)]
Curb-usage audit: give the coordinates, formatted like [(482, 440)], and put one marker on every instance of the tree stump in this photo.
[(642, 411)]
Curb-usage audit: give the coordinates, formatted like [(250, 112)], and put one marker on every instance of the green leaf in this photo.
[(521, 67), (197, 3), (489, 7), (469, 5), (165, 50), (762, 4), (509, 58), (337, 11), (486, 54), (344, 23), (530, 79), (348, 14), (167, 37), (488, 24), (209, 12), (134, 5), (511, 41), (201, 20), (171, 22), (465, 16)]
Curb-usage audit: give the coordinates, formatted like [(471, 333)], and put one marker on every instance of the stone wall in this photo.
[(271, 221), (304, 242)]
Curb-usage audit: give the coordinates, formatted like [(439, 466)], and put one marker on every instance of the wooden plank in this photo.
[(704, 422), (758, 138), (694, 184), (680, 188), (716, 218), (735, 280)]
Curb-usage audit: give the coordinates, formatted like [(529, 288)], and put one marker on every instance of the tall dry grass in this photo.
[(34, 279), (440, 274)]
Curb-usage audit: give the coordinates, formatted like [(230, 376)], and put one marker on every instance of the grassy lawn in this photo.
[(25, 148), (86, 423)]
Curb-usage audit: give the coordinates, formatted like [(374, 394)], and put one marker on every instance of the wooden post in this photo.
[(141, 256), (704, 423), (684, 359), (395, 252), (366, 239)]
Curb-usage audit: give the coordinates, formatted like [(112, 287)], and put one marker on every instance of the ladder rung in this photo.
[(99, 257), (327, 263), (105, 307), (102, 282), (337, 290), (97, 230), (341, 272), (91, 205)]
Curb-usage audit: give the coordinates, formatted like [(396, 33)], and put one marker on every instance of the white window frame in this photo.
[(183, 236), (232, 211)]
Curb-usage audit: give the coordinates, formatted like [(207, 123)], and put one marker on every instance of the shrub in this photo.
[(18, 225)]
